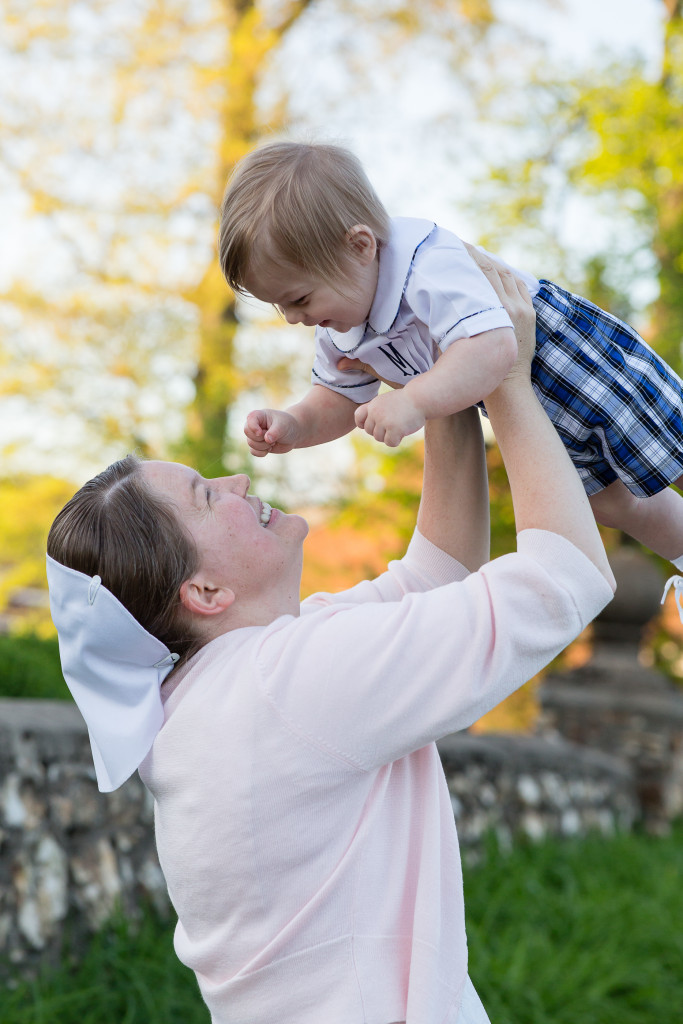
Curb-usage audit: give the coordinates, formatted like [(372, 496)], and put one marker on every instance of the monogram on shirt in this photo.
[(400, 361)]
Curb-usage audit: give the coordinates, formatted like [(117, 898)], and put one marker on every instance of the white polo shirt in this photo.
[(430, 293)]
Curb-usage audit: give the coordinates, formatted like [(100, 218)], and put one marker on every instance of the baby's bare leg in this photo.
[(656, 522)]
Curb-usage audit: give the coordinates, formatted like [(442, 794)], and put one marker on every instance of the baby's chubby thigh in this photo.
[(655, 520)]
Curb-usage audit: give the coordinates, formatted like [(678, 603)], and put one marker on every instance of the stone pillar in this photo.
[(616, 704)]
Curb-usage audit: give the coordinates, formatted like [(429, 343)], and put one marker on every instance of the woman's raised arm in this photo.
[(547, 492), (454, 507)]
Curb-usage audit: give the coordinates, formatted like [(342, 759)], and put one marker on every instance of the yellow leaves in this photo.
[(251, 41), (25, 23), (43, 203), (28, 506), (120, 368), (211, 291), (479, 12)]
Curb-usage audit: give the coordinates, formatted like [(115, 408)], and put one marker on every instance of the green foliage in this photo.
[(389, 508), (29, 667), (385, 501), (636, 125), (130, 975), (612, 135), (579, 932)]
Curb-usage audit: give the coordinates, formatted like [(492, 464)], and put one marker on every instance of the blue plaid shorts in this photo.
[(615, 403)]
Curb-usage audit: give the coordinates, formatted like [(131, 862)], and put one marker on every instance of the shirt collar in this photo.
[(395, 261)]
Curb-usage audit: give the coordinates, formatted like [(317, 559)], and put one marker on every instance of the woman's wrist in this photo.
[(454, 508)]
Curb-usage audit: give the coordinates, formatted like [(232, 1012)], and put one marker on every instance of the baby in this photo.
[(303, 229)]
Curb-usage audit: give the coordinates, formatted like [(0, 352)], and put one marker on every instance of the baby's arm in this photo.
[(468, 371), (322, 415)]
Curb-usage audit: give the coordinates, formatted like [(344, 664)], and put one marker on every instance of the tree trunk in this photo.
[(217, 380)]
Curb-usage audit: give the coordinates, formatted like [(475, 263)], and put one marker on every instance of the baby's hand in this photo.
[(271, 430), (390, 417)]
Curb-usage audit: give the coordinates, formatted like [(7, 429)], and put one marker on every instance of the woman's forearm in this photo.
[(454, 509), (547, 492)]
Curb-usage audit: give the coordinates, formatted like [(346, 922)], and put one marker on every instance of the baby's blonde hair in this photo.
[(296, 202)]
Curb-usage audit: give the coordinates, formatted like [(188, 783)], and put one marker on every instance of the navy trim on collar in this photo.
[(395, 262)]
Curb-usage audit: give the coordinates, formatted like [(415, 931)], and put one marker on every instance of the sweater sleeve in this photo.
[(423, 567), (371, 684)]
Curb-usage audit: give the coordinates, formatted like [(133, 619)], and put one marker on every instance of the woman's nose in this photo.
[(239, 483)]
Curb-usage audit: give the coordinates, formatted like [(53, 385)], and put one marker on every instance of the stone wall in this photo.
[(616, 704), (69, 854), (534, 786), (67, 851), (643, 729)]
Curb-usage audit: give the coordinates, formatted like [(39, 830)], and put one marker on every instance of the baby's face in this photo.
[(339, 305)]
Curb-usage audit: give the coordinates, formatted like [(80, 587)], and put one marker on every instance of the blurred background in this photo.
[(547, 130)]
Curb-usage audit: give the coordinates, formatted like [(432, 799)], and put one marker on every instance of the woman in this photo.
[(303, 821)]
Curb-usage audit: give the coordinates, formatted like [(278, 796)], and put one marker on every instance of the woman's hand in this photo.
[(514, 294), (345, 363)]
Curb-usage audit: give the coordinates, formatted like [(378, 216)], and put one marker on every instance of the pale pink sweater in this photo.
[(303, 820)]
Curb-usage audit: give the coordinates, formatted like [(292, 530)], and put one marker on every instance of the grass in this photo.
[(563, 932), (29, 667), (585, 932), (129, 975)]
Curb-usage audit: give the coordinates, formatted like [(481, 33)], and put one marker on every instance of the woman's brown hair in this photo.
[(117, 528)]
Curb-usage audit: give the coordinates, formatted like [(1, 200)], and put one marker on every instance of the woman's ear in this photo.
[(362, 243), (201, 598)]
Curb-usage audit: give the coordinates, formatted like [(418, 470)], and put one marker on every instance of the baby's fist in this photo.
[(270, 430)]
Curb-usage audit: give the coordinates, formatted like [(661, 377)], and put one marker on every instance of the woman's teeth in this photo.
[(266, 512)]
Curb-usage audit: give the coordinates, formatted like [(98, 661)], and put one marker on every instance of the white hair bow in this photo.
[(114, 669)]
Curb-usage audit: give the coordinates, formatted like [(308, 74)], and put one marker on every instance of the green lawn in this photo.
[(128, 976), (581, 932), (29, 667), (586, 932)]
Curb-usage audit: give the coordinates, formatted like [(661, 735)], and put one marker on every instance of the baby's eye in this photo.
[(300, 301)]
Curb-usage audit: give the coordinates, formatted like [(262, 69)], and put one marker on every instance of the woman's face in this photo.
[(239, 546)]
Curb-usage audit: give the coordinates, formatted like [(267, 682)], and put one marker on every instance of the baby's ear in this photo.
[(362, 242)]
